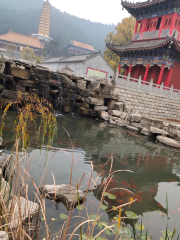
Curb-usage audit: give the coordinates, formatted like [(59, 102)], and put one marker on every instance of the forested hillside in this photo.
[(22, 16)]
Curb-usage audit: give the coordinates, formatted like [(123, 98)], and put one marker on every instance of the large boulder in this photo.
[(2, 67), (103, 115), (122, 123), (118, 106), (173, 128), (27, 83), (68, 83), (115, 113), (95, 101), (148, 122), (134, 117), (124, 116), (9, 94), (158, 131), (19, 73), (93, 85), (81, 84), (146, 132), (100, 108), (168, 141)]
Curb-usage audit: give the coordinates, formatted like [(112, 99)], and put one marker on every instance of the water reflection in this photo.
[(156, 169)]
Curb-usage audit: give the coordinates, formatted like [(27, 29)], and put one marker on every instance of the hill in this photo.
[(23, 16)]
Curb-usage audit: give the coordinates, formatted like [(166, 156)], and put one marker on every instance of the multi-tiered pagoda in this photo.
[(154, 52)]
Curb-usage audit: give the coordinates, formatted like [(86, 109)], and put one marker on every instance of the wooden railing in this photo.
[(127, 81)]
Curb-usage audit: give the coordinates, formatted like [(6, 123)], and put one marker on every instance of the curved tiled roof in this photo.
[(143, 45), (83, 45), (133, 5), (21, 39)]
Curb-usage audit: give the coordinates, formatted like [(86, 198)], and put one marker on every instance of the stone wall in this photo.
[(150, 104)]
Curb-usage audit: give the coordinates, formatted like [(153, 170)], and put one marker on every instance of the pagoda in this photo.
[(154, 52)]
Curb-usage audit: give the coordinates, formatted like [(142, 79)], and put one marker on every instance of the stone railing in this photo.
[(129, 82)]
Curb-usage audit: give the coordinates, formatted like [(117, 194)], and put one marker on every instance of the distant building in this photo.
[(79, 48), (16, 42), (92, 64), (44, 24)]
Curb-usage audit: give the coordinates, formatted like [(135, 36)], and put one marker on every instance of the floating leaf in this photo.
[(93, 217), (104, 207), (123, 231), (131, 215), (161, 238), (100, 224), (80, 207), (85, 237), (169, 233), (116, 219), (138, 226), (143, 237), (63, 216), (110, 196), (108, 232), (100, 238)]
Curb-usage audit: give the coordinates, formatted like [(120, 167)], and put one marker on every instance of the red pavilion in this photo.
[(154, 53)]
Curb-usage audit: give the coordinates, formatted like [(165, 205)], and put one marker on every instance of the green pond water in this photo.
[(156, 171)]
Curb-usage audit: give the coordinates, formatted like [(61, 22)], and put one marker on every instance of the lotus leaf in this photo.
[(139, 227), (123, 231), (85, 237), (63, 216), (110, 196), (80, 207), (169, 233), (131, 215), (108, 232), (143, 237)]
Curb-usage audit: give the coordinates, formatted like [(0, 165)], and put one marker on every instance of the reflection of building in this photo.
[(79, 48), (44, 24), (15, 42), (86, 64), (154, 52)]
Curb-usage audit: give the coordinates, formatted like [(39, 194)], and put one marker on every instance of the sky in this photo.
[(103, 11)]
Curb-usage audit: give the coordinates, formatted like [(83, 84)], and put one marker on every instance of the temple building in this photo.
[(77, 48), (154, 53), (44, 23), (15, 42)]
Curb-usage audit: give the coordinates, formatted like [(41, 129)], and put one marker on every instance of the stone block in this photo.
[(93, 85), (132, 128), (34, 91), (66, 109), (134, 117), (43, 73), (103, 115), (111, 103), (124, 116), (118, 106), (168, 141), (115, 113), (19, 73), (158, 131), (8, 94), (2, 67), (122, 123), (173, 129), (146, 132), (27, 83), (95, 101), (151, 122), (100, 108), (78, 97), (68, 83), (81, 84), (84, 105)]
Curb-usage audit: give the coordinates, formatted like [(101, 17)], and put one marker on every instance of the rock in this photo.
[(81, 84), (168, 141), (1, 141), (137, 125), (93, 85), (100, 108), (146, 132), (84, 105), (88, 112), (151, 122), (115, 113), (173, 129), (3, 235), (109, 92), (66, 109), (19, 73), (65, 193), (122, 123), (78, 97), (124, 116), (2, 67), (34, 91), (9, 94), (20, 209), (68, 83), (132, 128), (27, 83), (43, 73), (134, 117), (165, 124), (95, 101), (103, 115), (158, 131), (111, 103), (118, 106), (54, 92), (5, 189), (92, 113)]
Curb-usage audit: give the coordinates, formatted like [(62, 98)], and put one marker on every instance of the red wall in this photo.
[(175, 77)]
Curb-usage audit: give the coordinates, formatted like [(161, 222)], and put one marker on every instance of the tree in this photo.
[(27, 54), (122, 34)]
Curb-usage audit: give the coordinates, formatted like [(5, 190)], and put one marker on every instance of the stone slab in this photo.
[(132, 128), (115, 113), (168, 141), (20, 209), (20, 73), (103, 115), (95, 101), (158, 131), (100, 108), (122, 123), (65, 193)]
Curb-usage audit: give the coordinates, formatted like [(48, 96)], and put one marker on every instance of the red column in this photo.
[(161, 74), (137, 70), (173, 23), (162, 25), (168, 77), (154, 72), (146, 73), (130, 68), (135, 30), (126, 72), (119, 68), (143, 28)]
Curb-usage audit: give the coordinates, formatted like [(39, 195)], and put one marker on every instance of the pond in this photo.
[(155, 173)]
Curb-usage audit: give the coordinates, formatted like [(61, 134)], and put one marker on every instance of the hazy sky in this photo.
[(104, 11)]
